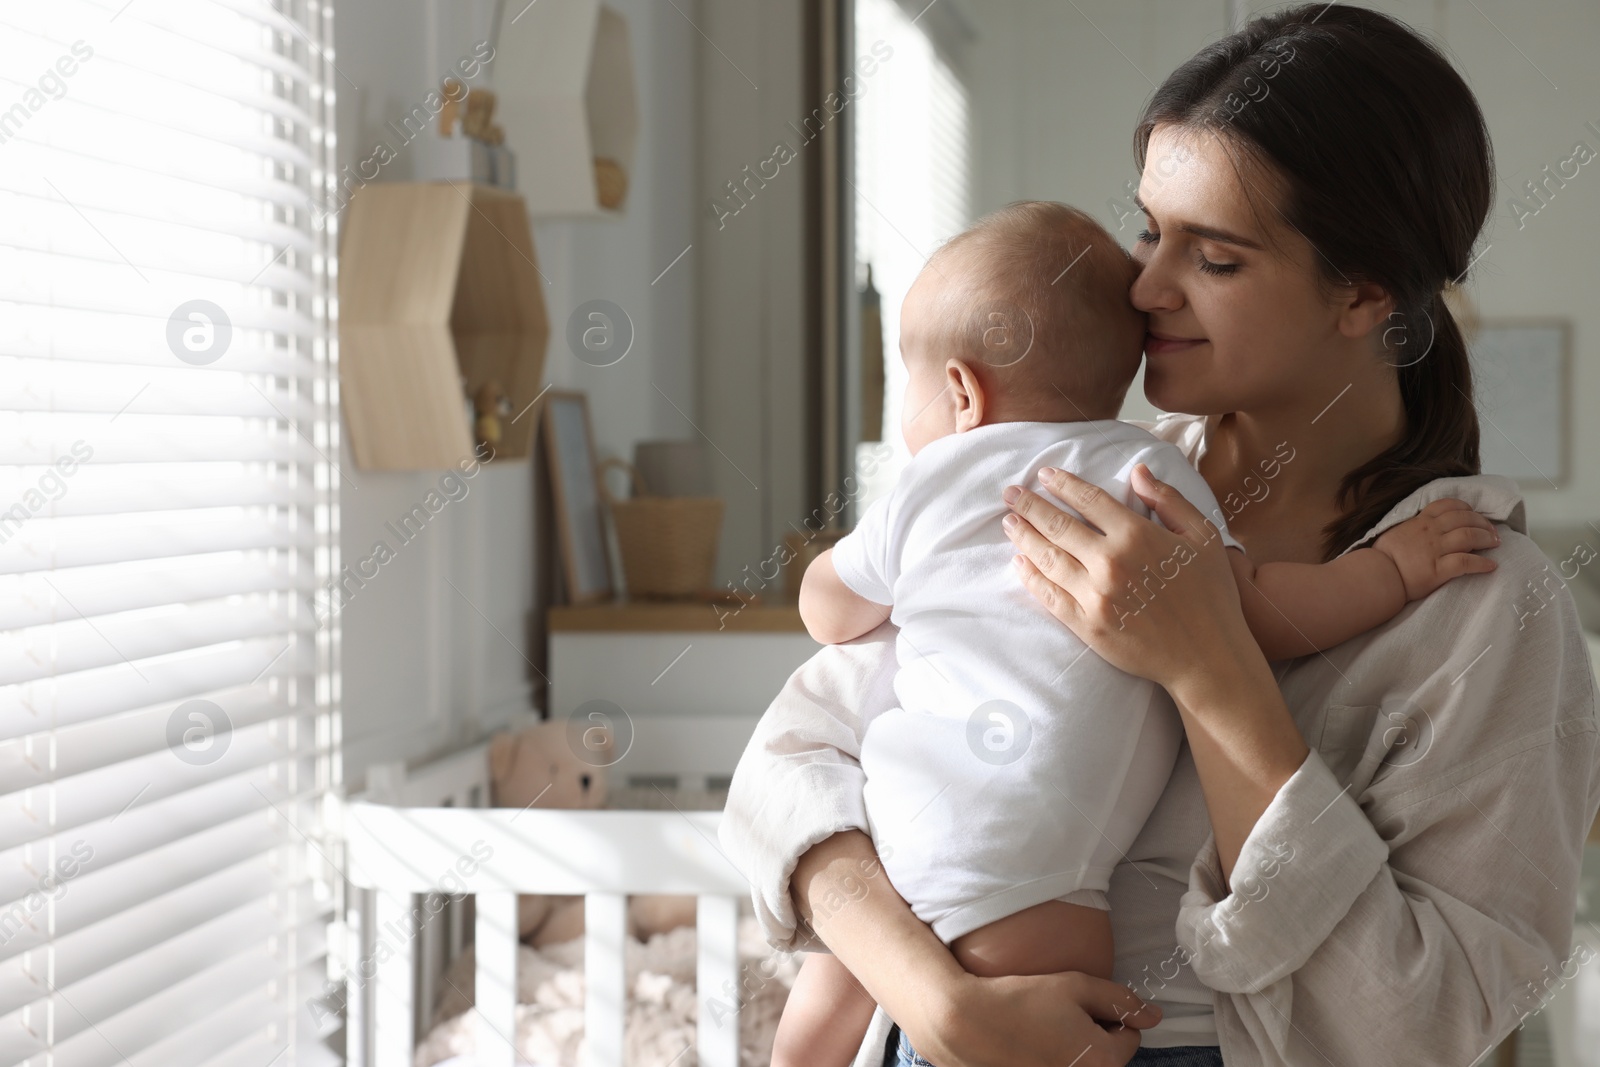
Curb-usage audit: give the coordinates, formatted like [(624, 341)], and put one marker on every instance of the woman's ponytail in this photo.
[(1441, 438)]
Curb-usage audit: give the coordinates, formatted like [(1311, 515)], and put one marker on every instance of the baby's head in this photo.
[(1024, 317)]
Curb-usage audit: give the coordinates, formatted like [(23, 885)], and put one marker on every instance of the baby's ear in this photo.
[(967, 391)]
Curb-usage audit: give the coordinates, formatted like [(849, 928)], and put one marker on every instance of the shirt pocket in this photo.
[(1346, 732)]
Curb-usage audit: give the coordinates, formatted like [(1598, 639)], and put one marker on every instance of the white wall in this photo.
[(433, 647), (1058, 88)]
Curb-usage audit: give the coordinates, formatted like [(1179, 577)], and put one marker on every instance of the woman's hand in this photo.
[(1158, 602), (1044, 1020), (1162, 603), (953, 1018)]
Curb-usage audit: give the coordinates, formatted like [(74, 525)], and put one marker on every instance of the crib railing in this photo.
[(398, 854)]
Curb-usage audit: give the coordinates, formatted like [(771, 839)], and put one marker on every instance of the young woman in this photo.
[(1363, 856)]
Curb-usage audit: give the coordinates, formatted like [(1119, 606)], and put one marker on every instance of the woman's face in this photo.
[(1237, 320)]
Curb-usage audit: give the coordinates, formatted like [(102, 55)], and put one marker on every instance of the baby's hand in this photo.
[(1438, 545)]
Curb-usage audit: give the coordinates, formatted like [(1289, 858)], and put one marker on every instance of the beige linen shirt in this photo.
[(1402, 898)]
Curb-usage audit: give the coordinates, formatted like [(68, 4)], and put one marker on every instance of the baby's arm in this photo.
[(832, 611), (1294, 609)]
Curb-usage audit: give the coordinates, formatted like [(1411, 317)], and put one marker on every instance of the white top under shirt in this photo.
[(1018, 767)]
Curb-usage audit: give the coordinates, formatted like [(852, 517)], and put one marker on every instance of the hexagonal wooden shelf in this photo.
[(437, 281), (566, 96)]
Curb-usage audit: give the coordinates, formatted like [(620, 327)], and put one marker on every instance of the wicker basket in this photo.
[(668, 543)]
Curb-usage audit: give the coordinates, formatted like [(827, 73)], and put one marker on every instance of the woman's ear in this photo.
[(967, 392), (1366, 307)]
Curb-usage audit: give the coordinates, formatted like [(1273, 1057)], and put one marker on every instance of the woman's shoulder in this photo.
[(1494, 659), (1498, 660), (1487, 601), (1490, 495), (1187, 432)]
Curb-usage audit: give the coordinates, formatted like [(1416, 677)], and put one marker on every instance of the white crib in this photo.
[(427, 832)]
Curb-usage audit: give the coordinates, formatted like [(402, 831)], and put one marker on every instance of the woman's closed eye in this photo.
[(1211, 267), (1208, 266)]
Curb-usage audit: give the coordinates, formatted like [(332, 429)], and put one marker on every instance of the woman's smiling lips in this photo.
[(1157, 343)]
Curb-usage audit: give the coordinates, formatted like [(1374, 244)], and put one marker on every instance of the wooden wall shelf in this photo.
[(565, 94), (437, 280)]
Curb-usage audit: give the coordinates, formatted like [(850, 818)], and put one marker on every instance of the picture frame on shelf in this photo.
[(578, 500)]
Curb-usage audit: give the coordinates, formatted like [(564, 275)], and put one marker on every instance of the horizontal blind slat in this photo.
[(54, 753), (45, 544), (251, 1017), (30, 331), (35, 226), (146, 829), (76, 645), (42, 385), (58, 807), (89, 695), (111, 491), (106, 273), (118, 1041), (222, 1026), (101, 894), (254, 1047), (126, 983), (81, 952), (34, 599), (39, 439), (37, 271)]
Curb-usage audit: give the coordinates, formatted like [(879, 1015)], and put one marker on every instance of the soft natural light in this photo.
[(167, 513), (912, 185)]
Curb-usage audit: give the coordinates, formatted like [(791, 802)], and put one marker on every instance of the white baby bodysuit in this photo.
[(1018, 765)]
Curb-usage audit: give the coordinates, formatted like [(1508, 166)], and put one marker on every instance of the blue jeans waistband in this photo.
[(899, 1053)]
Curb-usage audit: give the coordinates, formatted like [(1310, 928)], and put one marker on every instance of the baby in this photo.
[(1018, 767)]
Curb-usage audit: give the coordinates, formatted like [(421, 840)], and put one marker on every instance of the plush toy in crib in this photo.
[(537, 767)]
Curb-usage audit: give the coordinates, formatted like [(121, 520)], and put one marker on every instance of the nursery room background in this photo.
[(418, 414)]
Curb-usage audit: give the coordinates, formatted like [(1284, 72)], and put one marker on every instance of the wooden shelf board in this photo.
[(634, 616)]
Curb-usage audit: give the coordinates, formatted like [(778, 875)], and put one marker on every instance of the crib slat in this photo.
[(717, 980), (357, 922), (394, 1015), (496, 981), (430, 965), (605, 918)]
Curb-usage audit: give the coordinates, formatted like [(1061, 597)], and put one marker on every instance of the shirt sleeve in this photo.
[(1430, 859), (864, 558), (800, 780)]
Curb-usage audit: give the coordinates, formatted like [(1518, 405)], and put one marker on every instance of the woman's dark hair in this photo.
[(1387, 168)]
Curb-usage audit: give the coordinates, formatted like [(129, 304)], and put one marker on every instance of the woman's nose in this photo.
[(1153, 290)]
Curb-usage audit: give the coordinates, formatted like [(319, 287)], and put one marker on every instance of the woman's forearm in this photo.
[(840, 889), (1244, 741)]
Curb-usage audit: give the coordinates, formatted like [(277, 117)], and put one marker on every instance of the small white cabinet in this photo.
[(672, 659)]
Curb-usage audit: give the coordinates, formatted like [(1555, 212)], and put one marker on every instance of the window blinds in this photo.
[(168, 509)]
